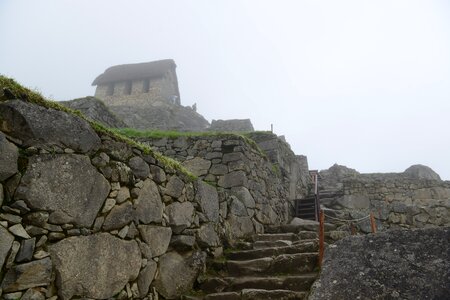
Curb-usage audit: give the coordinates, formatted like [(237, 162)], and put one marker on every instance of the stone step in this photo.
[(275, 237), (295, 228), (307, 235), (272, 295), (258, 294), (271, 244), (231, 284), (283, 264), (298, 247), (224, 296)]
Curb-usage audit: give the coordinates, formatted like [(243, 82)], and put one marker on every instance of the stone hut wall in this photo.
[(84, 215), (160, 89)]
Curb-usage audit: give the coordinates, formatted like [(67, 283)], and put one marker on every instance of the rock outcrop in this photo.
[(421, 172), (39, 126), (234, 125), (95, 110), (398, 264), (160, 116)]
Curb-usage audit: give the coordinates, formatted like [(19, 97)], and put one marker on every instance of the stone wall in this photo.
[(84, 215), (257, 188), (398, 200)]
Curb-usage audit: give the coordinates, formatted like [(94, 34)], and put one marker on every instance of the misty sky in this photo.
[(361, 83)]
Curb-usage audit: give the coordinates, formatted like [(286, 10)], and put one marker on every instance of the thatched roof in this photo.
[(135, 71)]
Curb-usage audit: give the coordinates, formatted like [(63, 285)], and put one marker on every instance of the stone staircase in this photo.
[(275, 265)]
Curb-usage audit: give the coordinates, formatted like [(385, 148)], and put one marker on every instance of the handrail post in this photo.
[(321, 236), (373, 224)]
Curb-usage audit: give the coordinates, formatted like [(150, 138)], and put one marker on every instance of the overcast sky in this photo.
[(361, 83)]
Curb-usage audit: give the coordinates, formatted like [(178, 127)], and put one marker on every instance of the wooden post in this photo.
[(352, 229), (373, 224), (321, 236)]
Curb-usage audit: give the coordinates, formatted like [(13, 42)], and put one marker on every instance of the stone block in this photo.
[(156, 237), (6, 243), (67, 185), (243, 194), (26, 250), (139, 167), (106, 263), (233, 179), (174, 187), (148, 206), (207, 236), (28, 275), (8, 160), (146, 277), (197, 166), (178, 273), (181, 215), (119, 216), (208, 199), (182, 242)]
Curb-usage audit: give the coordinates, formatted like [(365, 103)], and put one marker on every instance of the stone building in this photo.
[(146, 96), (139, 83)]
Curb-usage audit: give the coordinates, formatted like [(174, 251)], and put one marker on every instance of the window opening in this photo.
[(127, 90)]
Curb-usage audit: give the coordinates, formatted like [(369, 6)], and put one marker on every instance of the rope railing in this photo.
[(322, 216)]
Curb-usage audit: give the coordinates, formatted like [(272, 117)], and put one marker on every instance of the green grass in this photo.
[(10, 89), (159, 134)]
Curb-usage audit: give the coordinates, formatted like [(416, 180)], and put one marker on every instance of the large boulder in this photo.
[(96, 266), (403, 264), (96, 110), (421, 172), (333, 177), (8, 158), (67, 185), (160, 115), (37, 125), (178, 273)]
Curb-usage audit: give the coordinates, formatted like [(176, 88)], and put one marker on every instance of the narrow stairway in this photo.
[(273, 266)]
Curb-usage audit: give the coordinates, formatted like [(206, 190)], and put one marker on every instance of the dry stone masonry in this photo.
[(84, 215), (254, 189), (416, 198)]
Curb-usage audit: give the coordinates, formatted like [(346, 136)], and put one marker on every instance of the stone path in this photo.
[(281, 264)]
